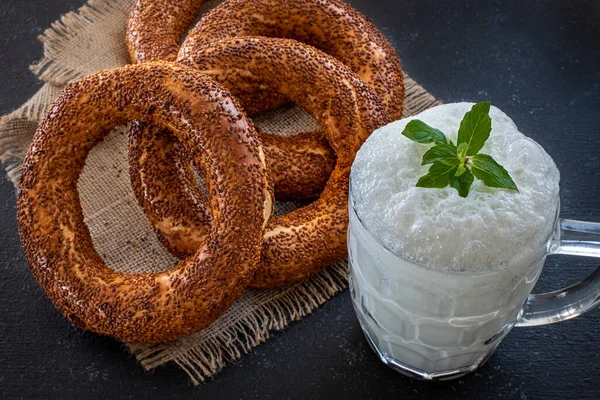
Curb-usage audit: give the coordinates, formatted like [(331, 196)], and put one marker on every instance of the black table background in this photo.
[(537, 60)]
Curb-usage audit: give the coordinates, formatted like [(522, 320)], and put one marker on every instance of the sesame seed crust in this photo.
[(300, 243), (144, 307), (331, 26), (155, 28), (165, 185), (300, 166)]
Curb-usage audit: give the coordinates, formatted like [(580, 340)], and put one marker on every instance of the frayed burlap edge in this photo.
[(18, 127), (207, 358), (200, 359), (99, 16)]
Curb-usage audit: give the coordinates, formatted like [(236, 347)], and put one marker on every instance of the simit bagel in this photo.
[(156, 28), (331, 26), (146, 307)]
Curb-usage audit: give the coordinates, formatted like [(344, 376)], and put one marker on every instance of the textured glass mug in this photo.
[(437, 325)]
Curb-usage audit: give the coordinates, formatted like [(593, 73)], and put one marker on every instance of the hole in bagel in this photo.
[(120, 231), (281, 206)]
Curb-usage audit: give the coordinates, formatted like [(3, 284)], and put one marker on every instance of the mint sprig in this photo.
[(459, 165)]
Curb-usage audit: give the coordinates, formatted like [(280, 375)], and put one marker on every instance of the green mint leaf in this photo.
[(444, 153), (475, 128), (461, 150), (438, 176), (461, 169), (462, 182), (484, 167), (418, 131)]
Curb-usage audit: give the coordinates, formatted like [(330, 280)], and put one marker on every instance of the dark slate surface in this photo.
[(537, 60)]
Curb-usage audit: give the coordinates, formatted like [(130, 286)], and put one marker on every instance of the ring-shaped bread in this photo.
[(331, 26), (156, 28), (301, 243), (300, 165), (207, 121)]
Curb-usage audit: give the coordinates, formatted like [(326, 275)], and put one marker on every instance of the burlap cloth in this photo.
[(92, 39)]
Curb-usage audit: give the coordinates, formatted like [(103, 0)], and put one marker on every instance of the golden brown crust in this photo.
[(165, 186), (155, 28), (303, 242), (147, 307), (331, 26), (300, 165)]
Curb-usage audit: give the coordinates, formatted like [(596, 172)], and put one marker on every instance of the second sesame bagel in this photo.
[(301, 243), (300, 165), (331, 26)]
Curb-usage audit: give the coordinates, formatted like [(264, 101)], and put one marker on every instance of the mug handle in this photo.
[(576, 238)]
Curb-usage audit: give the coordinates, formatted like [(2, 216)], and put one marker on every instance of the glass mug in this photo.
[(436, 325)]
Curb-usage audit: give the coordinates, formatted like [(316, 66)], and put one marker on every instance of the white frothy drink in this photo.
[(438, 279)]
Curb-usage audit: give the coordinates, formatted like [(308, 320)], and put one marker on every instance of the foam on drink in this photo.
[(437, 227)]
